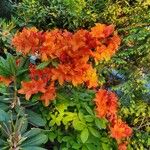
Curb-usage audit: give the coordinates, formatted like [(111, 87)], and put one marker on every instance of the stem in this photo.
[(15, 99)]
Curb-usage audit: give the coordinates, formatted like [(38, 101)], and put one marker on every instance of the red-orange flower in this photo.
[(72, 51), (27, 41), (56, 41), (44, 74), (120, 130), (106, 103), (32, 87), (49, 95), (5, 80), (122, 146)]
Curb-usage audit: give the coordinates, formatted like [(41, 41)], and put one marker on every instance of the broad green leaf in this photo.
[(52, 136), (84, 148), (20, 72), (94, 132), (84, 135), (3, 88), (91, 146), (89, 118), (105, 146), (2, 142), (32, 132), (89, 110), (148, 142), (66, 138), (101, 123), (32, 148), (78, 125), (35, 118), (35, 141), (3, 115), (4, 106), (76, 146)]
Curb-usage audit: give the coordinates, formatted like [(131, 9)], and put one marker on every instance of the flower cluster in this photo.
[(75, 54), (107, 104)]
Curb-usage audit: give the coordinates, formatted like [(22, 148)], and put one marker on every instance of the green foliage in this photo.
[(7, 29), (54, 13), (138, 115), (73, 122), (17, 123), (5, 9)]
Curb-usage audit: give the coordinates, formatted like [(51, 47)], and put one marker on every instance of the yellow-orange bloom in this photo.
[(102, 30)]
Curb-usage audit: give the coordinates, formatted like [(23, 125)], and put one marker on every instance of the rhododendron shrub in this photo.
[(73, 54), (67, 58)]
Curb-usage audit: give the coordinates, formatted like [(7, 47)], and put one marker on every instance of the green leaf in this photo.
[(76, 146), (52, 136), (32, 148), (89, 110), (89, 118), (4, 106), (12, 63), (43, 65), (94, 132), (91, 146), (35, 119), (3, 115), (84, 148), (148, 142), (3, 88), (20, 72), (2, 142), (101, 123), (105, 146), (32, 132), (84, 135), (78, 125), (35, 141)]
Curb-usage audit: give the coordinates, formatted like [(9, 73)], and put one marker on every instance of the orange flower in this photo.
[(97, 30), (73, 52), (101, 30), (106, 103), (44, 74), (120, 130), (55, 43), (91, 78), (101, 103), (49, 95), (27, 41), (106, 50), (32, 87), (5, 80), (122, 146)]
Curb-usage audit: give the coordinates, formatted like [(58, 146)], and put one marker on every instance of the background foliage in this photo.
[(127, 73)]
